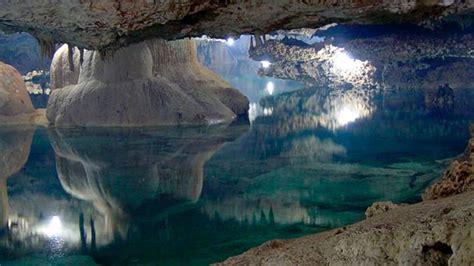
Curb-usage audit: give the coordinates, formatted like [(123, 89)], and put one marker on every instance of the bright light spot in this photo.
[(344, 62), (265, 63), (347, 115), (267, 111), (270, 88), (54, 227), (230, 41)]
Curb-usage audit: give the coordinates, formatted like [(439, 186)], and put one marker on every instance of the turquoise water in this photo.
[(197, 195)]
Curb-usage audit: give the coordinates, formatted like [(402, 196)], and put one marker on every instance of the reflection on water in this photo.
[(194, 195)]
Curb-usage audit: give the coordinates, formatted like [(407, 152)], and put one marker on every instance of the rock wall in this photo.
[(150, 83), (22, 51), (103, 25)]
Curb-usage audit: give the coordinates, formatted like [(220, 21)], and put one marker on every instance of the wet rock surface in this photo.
[(107, 25)]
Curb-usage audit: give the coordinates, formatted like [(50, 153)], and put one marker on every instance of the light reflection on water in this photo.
[(194, 195), (311, 160)]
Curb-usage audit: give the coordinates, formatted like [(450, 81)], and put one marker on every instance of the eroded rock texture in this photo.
[(150, 83), (437, 66), (428, 233), (458, 178), (101, 25)]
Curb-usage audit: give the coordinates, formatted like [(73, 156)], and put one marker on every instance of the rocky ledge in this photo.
[(432, 232), (108, 25)]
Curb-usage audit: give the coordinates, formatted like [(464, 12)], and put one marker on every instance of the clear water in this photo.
[(197, 195), (309, 161)]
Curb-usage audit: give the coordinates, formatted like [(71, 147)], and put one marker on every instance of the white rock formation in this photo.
[(149, 83), (65, 72)]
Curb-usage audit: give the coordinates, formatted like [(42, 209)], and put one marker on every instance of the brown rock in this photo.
[(458, 179), (14, 99), (428, 233), (380, 207)]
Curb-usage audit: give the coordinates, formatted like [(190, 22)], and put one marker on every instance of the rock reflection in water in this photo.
[(14, 151), (129, 172)]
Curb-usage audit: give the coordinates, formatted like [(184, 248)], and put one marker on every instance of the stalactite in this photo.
[(258, 41), (70, 57), (81, 57), (47, 48)]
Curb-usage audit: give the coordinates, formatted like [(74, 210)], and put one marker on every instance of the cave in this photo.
[(236, 132)]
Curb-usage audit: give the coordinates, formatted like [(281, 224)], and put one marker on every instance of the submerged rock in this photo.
[(149, 83)]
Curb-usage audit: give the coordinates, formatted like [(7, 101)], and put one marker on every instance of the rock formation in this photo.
[(458, 178), (428, 233), (417, 60), (112, 24), (15, 103), (151, 83)]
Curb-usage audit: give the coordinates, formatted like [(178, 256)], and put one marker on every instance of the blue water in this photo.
[(197, 195)]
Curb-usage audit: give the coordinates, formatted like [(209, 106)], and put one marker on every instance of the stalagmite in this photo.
[(150, 83)]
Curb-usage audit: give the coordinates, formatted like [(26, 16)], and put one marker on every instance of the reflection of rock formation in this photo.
[(319, 107), (154, 82), (14, 151), (130, 173)]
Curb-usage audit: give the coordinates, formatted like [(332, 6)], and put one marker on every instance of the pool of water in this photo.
[(197, 195)]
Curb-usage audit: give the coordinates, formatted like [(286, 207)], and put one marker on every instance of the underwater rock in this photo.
[(15, 103), (458, 178), (151, 83), (428, 233)]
